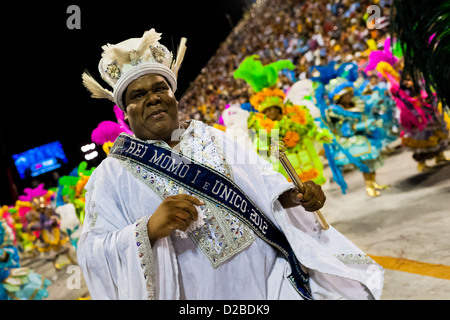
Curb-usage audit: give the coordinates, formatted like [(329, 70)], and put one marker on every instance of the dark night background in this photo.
[(44, 99)]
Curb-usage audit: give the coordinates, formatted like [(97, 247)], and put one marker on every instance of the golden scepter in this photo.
[(295, 178)]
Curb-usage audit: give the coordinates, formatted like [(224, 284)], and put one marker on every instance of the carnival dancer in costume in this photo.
[(424, 130), (46, 221), (17, 283), (299, 133), (26, 241), (332, 82), (289, 123), (358, 136), (176, 219), (30, 221), (422, 118)]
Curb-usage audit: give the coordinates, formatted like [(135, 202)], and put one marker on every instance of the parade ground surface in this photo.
[(405, 230)]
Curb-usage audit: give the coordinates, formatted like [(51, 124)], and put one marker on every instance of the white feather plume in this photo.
[(115, 53), (121, 52), (96, 90), (150, 37), (180, 56)]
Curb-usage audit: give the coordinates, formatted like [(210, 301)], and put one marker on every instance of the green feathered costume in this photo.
[(259, 76)]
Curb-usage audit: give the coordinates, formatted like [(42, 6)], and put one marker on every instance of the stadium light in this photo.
[(91, 155), (88, 147), (89, 150)]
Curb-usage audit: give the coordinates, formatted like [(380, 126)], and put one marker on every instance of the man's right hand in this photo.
[(175, 212)]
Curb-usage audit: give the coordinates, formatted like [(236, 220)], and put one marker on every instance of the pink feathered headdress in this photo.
[(31, 193), (377, 56), (108, 131)]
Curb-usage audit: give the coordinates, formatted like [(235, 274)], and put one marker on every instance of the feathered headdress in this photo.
[(261, 78), (323, 74), (378, 56), (31, 193), (127, 61), (337, 88), (268, 97)]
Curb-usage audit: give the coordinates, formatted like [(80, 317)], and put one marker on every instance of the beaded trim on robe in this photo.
[(145, 252), (355, 259), (222, 235), (352, 259)]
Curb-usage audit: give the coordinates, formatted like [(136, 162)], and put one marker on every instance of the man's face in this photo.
[(151, 108), (273, 113), (346, 98), (373, 81)]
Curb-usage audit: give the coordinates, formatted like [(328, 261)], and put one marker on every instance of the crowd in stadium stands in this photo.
[(306, 32)]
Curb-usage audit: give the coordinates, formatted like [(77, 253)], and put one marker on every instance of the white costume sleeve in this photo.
[(114, 250)]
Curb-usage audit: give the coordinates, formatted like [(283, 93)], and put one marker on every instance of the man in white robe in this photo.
[(133, 246)]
